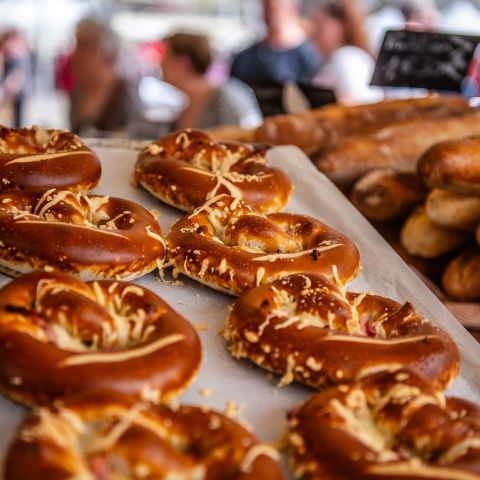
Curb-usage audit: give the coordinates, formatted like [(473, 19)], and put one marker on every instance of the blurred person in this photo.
[(101, 98), (339, 33), (419, 14), (16, 71), (186, 62), (284, 55)]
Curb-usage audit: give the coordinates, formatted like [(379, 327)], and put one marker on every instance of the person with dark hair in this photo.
[(187, 59), (15, 76), (339, 33), (102, 100), (284, 55)]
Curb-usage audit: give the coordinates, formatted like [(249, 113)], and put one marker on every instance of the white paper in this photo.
[(264, 404)]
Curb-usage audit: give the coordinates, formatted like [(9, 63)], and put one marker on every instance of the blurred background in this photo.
[(136, 68)]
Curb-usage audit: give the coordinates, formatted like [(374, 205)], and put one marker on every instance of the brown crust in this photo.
[(398, 146), (453, 165), (214, 245), (461, 279), (60, 336), (389, 426), (150, 442), (309, 330), (386, 195), (88, 235), (187, 168), (326, 126), (39, 159)]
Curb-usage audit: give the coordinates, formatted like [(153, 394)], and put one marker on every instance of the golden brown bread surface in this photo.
[(98, 437), (60, 336), (231, 133), (397, 146), (385, 195), (453, 165), (388, 426), (461, 279), (325, 126), (304, 327)]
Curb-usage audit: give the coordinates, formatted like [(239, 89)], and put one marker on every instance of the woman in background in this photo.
[(339, 33), (187, 60)]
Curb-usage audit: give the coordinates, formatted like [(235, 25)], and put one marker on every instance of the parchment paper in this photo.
[(262, 404)]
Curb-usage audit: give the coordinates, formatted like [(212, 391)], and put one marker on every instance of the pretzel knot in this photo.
[(60, 336), (90, 235), (230, 247), (187, 168), (309, 330), (39, 159), (388, 426), (95, 437)]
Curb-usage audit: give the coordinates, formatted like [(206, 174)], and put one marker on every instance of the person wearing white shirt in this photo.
[(339, 33)]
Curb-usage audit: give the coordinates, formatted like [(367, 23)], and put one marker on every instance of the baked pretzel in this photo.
[(98, 437), (452, 165), (390, 426), (90, 235), (228, 246), (307, 329), (187, 168), (59, 336), (39, 159)]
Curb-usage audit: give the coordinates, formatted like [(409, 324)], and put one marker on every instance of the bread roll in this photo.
[(421, 237), (453, 165), (453, 211), (461, 279), (386, 195)]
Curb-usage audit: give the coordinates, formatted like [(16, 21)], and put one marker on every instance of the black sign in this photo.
[(437, 61)]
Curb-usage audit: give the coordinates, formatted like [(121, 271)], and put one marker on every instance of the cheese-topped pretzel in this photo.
[(187, 168), (94, 437), (309, 330), (390, 426), (39, 159), (59, 335), (90, 235), (228, 246)]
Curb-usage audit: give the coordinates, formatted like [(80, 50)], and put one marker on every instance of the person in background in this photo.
[(101, 99), (16, 71), (284, 55), (339, 33), (419, 14), (185, 65)]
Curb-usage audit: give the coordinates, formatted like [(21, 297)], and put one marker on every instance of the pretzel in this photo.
[(187, 168), (59, 336), (453, 165), (38, 159), (89, 235), (228, 246), (390, 426), (309, 330)]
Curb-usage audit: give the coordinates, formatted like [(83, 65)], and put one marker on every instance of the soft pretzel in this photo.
[(59, 336), (307, 329), (228, 246), (424, 238), (384, 195), (39, 159), (90, 235), (98, 437), (453, 165), (187, 168), (461, 279), (452, 210), (390, 426), (397, 146), (325, 126)]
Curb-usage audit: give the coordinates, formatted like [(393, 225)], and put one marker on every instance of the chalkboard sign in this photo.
[(437, 61)]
